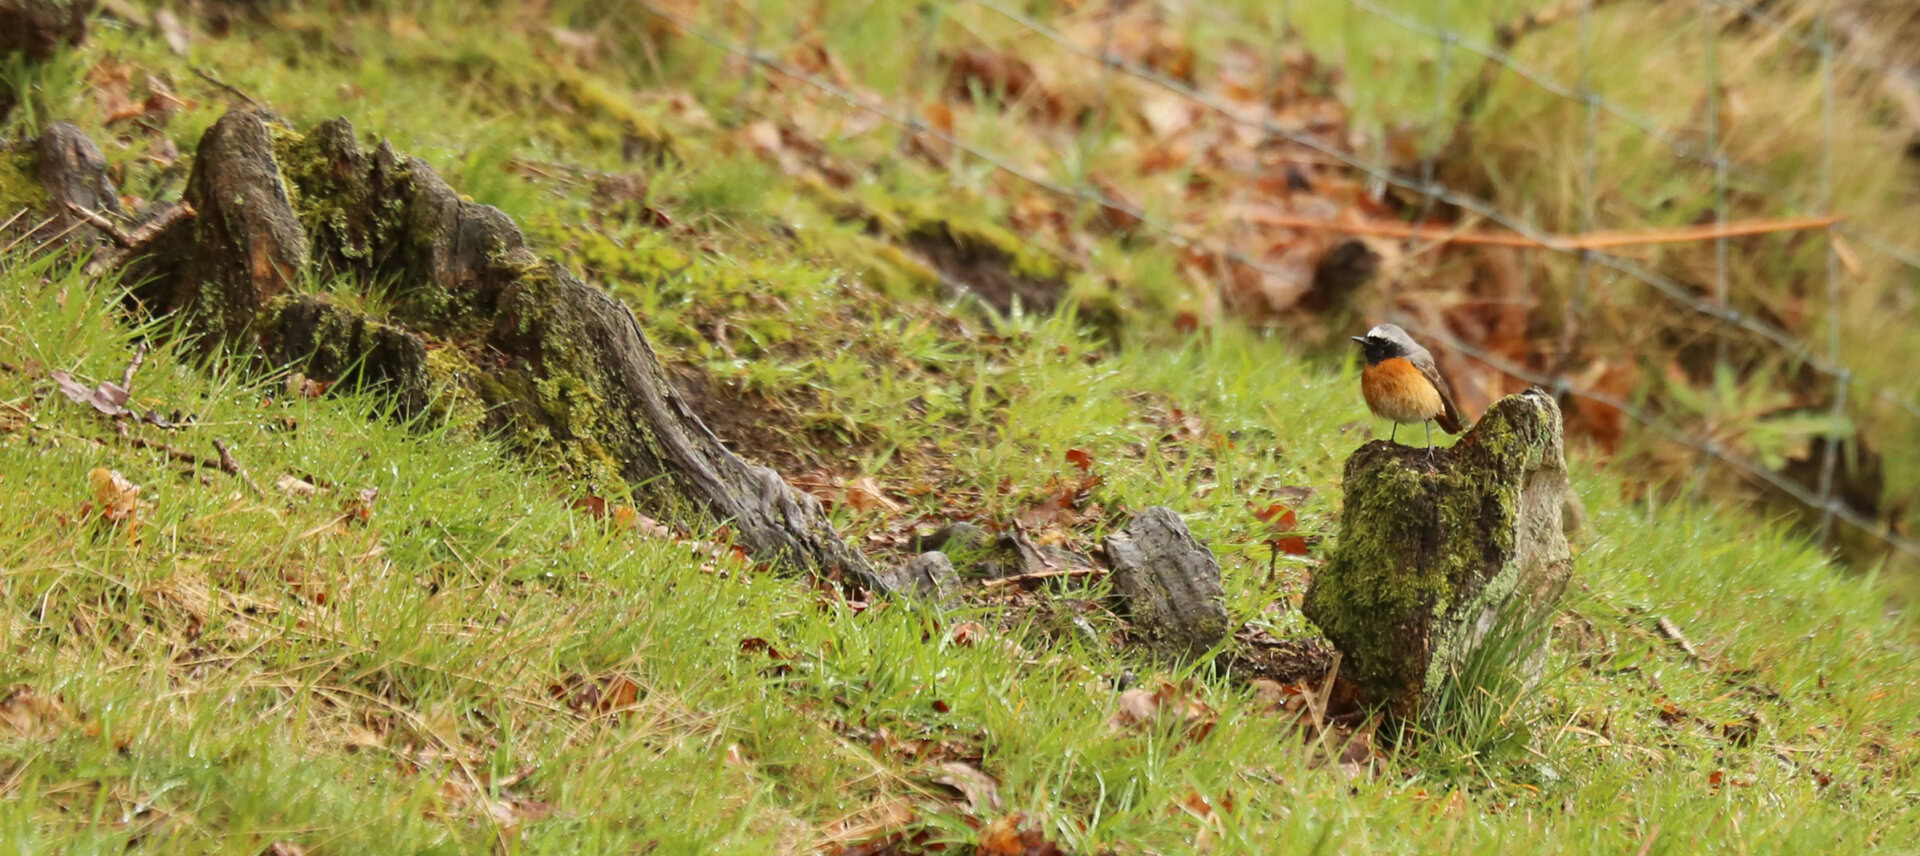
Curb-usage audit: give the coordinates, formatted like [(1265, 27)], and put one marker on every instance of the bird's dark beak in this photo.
[(1361, 339)]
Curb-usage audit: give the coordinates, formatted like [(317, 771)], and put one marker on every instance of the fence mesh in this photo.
[(1775, 296)]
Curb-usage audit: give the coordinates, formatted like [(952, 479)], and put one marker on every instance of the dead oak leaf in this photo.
[(865, 494), (966, 633), (115, 499), (109, 398), (1139, 708), (980, 790), (1012, 835), (30, 714), (1285, 525), (295, 486)]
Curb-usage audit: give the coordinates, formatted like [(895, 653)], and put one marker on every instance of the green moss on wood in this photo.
[(20, 182), (1426, 552)]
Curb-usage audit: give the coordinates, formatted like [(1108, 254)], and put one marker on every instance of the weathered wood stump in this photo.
[(1170, 584), (73, 174), (1434, 558), (929, 576), (439, 301)]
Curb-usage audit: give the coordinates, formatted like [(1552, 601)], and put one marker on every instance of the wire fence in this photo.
[(1716, 305)]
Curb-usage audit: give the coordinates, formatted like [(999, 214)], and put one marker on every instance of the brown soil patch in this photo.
[(986, 271)]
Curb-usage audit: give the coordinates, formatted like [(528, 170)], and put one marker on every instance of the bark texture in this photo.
[(929, 575), (439, 301), (73, 174), (1170, 583), (1432, 558)]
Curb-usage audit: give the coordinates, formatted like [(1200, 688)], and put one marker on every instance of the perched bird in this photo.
[(1402, 384)]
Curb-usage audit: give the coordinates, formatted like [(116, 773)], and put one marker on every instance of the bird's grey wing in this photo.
[(1449, 419)]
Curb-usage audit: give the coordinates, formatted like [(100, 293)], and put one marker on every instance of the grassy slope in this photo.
[(247, 672)]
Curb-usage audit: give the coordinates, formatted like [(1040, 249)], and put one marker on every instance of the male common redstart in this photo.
[(1402, 384)]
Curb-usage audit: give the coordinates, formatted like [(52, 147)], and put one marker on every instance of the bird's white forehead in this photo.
[(1384, 331)]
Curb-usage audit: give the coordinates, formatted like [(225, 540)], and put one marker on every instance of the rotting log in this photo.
[(438, 301), (1169, 582), (1436, 557)]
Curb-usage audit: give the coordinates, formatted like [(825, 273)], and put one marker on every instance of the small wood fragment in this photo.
[(231, 466), (1048, 574), (1672, 632)]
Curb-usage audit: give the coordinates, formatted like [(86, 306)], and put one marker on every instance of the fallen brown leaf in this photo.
[(979, 789), (114, 498), (27, 713), (295, 486), (865, 494), (968, 632), (1010, 835), (1138, 708)]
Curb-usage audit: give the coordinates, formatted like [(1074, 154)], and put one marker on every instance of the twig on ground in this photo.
[(174, 452), (126, 377), (140, 237), (1672, 631), (100, 222), (1325, 694), (1647, 845), (231, 89), (1048, 574), (229, 465)]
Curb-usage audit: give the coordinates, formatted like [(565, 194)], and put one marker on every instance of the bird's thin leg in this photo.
[(1395, 433), (1429, 427)]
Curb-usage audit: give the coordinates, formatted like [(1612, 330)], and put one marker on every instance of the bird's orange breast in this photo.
[(1396, 390)]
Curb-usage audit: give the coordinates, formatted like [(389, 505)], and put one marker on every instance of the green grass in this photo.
[(246, 668), (245, 673)]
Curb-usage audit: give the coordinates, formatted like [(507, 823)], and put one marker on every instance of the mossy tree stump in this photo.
[(1433, 556), (365, 267)]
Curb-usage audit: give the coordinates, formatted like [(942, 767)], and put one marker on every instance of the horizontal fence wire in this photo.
[(1560, 387), (911, 122), (1799, 351), (1705, 156), (1723, 166)]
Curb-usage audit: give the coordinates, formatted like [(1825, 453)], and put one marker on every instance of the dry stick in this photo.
[(141, 236), (171, 451), (126, 378), (1647, 845), (231, 89), (101, 223), (1042, 575), (1672, 631), (1588, 241), (228, 464), (1326, 693), (174, 452)]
